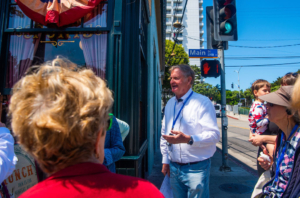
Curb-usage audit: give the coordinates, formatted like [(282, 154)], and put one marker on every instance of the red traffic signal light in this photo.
[(210, 68)]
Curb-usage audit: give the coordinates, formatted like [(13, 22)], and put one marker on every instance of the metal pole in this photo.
[(239, 85), (224, 166)]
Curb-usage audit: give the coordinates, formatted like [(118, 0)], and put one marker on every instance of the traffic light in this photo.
[(210, 68), (232, 86), (225, 26), (211, 42)]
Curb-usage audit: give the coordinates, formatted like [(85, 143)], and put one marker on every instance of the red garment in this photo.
[(91, 180)]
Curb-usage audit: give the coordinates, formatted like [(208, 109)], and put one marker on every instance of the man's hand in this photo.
[(256, 140), (177, 138), (264, 163), (166, 169), (2, 124)]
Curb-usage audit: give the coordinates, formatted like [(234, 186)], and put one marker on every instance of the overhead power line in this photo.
[(265, 46), (275, 46), (263, 65)]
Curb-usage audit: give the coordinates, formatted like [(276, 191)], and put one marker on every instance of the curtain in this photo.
[(97, 18), (22, 49), (17, 19), (94, 50), (94, 46)]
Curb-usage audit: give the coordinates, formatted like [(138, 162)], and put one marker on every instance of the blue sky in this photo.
[(261, 23)]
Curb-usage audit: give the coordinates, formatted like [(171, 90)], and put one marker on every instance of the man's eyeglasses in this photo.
[(295, 74), (270, 104), (110, 121)]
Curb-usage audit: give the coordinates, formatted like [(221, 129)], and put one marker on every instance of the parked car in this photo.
[(218, 110)]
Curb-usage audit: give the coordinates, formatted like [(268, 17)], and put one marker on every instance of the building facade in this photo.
[(192, 35), (122, 41)]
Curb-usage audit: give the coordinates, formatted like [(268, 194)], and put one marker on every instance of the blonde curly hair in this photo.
[(58, 113), (296, 95)]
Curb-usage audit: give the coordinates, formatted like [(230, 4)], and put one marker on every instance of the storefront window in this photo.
[(97, 18), (17, 19), (84, 49)]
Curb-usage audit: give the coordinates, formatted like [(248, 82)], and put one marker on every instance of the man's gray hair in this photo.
[(186, 70)]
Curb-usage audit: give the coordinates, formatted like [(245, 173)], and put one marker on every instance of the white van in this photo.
[(218, 110)]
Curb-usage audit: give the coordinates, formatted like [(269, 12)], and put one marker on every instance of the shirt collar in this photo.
[(184, 97), (85, 168)]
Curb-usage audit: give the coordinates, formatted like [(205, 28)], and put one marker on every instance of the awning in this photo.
[(59, 12)]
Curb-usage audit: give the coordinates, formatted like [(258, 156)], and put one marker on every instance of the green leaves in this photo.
[(181, 57)]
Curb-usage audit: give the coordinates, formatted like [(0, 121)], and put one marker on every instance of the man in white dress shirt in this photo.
[(189, 136)]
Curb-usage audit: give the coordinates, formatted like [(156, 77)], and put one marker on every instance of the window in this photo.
[(168, 11), (168, 35), (169, 4), (176, 11), (83, 42), (177, 4), (168, 19), (179, 42), (168, 27)]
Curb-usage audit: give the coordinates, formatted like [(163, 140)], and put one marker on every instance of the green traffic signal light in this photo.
[(228, 28)]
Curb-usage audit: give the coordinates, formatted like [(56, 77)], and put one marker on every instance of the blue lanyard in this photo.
[(283, 151), (174, 121)]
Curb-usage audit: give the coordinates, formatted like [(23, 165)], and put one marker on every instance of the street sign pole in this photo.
[(224, 166)]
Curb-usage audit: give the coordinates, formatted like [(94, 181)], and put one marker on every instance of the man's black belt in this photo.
[(182, 164)]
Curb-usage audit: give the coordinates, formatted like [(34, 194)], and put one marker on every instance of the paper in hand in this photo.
[(165, 188)]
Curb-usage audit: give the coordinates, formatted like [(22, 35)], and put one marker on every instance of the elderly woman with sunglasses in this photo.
[(60, 117), (283, 172)]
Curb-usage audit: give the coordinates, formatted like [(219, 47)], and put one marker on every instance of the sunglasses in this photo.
[(110, 121), (295, 74), (270, 104)]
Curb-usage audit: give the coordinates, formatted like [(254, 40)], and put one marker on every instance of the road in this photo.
[(238, 145)]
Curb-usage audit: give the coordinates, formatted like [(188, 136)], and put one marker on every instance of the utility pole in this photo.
[(239, 82), (224, 166)]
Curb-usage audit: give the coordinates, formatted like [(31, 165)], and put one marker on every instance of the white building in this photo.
[(191, 36)]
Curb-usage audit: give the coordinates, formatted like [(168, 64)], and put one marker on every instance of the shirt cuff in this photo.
[(165, 159), (196, 139)]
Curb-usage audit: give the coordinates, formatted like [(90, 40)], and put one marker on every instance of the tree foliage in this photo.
[(181, 57)]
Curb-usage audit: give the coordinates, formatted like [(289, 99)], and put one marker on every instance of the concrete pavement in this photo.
[(235, 184), (237, 116)]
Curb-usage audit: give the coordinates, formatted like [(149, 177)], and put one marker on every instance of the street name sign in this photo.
[(203, 53)]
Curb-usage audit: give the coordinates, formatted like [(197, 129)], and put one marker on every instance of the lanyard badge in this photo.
[(283, 146)]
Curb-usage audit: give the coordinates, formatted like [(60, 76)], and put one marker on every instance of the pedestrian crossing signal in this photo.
[(210, 68)]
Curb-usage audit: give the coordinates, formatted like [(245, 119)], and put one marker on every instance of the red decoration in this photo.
[(59, 12)]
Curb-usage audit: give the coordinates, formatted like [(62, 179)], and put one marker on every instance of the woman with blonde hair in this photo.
[(60, 117)]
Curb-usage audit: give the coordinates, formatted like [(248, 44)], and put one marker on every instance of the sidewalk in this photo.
[(237, 116), (235, 184)]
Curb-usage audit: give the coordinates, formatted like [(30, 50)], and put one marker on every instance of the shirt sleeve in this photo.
[(8, 160), (210, 134), (116, 149), (163, 144), (124, 128), (258, 116)]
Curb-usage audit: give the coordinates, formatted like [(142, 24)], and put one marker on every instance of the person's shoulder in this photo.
[(170, 102), (136, 186), (201, 99), (111, 184)]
